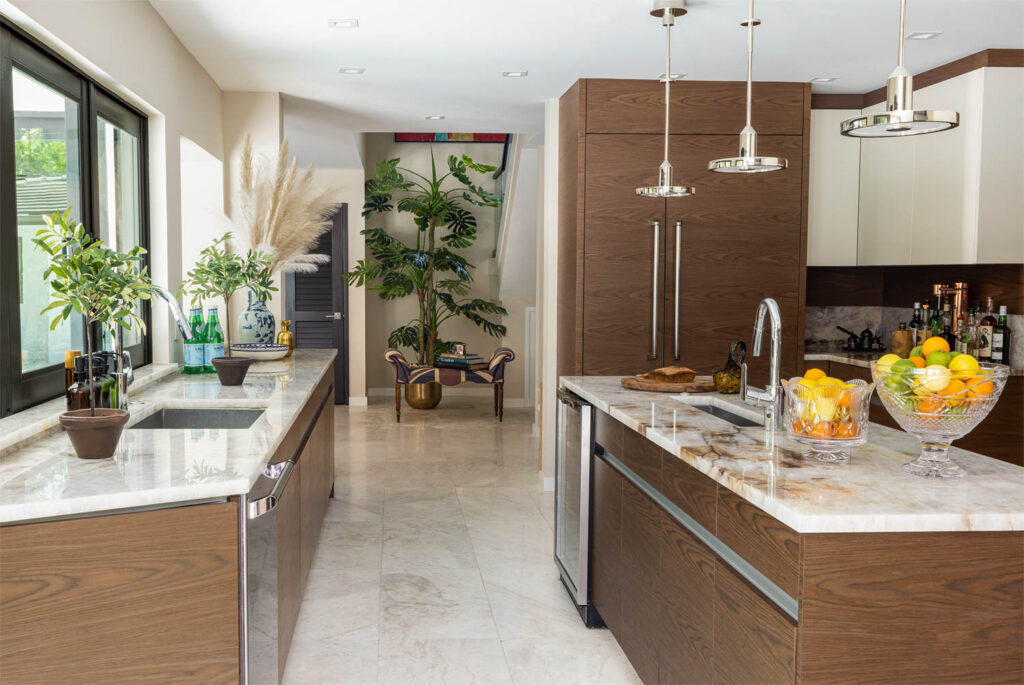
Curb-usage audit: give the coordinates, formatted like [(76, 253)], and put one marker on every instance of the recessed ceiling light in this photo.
[(675, 77), (923, 35), (823, 79), (514, 74), (351, 70), (343, 24), (435, 117)]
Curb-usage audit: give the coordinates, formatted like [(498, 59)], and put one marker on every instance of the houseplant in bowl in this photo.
[(219, 273), (430, 268), (104, 287)]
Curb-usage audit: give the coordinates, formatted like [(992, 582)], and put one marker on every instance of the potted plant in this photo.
[(103, 286), (219, 273), (432, 269)]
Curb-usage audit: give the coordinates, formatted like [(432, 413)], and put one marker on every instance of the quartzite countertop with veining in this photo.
[(869, 494), (40, 476)]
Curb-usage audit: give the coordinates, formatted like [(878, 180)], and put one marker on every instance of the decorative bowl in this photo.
[(938, 415), (827, 418), (260, 352)]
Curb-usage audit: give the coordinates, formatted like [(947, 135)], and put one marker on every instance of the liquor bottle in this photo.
[(924, 332), (948, 335), (985, 326), (1001, 339), (195, 347), (69, 368), (972, 332), (915, 321), (214, 339), (935, 321), (78, 393), (947, 316)]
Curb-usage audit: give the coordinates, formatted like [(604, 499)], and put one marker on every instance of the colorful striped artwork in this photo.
[(450, 137)]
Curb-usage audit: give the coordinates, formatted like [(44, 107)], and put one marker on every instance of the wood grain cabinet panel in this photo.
[(609, 433), (686, 636), (642, 456), (65, 587), (606, 541), (698, 107), (772, 547), (754, 641), (290, 574), (690, 490), (642, 523)]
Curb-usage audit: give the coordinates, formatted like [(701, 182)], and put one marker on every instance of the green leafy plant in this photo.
[(35, 157), (219, 273), (102, 285), (431, 269)]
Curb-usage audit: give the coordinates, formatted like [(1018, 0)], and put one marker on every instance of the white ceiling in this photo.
[(427, 57)]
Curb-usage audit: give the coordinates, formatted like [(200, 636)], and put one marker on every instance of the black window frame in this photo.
[(19, 391)]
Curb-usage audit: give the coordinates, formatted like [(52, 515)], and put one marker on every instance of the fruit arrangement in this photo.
[(937, 396), (827, 413)]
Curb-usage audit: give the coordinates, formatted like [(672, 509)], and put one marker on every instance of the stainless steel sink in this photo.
[(724, 414), (174, 417), (723, 410)]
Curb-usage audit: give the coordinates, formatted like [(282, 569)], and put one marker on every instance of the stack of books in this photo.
[(464, 362)]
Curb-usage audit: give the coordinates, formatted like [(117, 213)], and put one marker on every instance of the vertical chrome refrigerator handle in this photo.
[(654, 292), (675, 333)]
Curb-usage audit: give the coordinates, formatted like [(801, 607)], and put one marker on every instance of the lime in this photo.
[(896, 385), (903, 367), (939, 358), (916, 352)]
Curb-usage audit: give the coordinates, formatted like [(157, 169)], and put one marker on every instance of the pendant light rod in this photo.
[(903, 32), (668, 20), (750, 56)]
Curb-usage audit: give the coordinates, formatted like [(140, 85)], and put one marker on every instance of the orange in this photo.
[(918, 362), (934, 344), (978, 387), (847, 429), (814, 374), (822, 429), (930, 405), (956, 392)]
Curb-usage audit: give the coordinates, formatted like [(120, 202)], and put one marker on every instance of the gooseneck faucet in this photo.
[(771, 397), (179, 316)]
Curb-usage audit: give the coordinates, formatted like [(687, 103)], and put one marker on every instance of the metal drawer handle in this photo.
[(281, 472), (654, 293)]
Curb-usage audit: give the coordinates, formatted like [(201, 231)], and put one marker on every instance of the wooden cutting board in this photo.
[(698, 384)]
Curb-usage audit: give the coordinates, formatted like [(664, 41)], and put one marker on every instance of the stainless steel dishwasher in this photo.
[(575, 447), (259, 541)]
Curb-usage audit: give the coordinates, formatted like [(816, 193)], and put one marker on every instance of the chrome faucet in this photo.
[(771, 397), (179, 316)]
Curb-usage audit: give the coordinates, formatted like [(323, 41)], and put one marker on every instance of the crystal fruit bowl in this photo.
[(827, 418), (937, 407)]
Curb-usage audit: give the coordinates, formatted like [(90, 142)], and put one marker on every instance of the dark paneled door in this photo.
[(317, 302)]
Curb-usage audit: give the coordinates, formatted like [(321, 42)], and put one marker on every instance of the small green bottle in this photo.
[(196, 345), (214, 339)]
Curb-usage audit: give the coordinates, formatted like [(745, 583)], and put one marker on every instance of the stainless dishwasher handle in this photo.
[(281, 472), (654, 293), (675, 333)]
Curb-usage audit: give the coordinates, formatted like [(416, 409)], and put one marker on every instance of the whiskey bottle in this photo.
[(985, 327), (1001, 339)]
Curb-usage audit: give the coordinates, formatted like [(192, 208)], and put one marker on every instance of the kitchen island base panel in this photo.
[(148, 596)]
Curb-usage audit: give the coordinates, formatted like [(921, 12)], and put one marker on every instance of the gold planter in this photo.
[(423, 395)]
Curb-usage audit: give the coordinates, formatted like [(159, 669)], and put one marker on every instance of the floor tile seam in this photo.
[(480, 575)]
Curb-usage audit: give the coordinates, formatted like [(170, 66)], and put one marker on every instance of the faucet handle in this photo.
[(743, 381)]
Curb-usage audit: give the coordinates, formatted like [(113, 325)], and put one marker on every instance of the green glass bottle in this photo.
[(196, 346), (214, 339)]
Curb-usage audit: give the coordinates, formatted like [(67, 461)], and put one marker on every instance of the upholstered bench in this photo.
[(494, 374)]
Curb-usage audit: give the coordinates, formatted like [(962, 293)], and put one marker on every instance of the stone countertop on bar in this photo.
[(40, 476), (834, 352), (871, 493)]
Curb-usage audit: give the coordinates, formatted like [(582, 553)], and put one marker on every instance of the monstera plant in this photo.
[(431, 269)]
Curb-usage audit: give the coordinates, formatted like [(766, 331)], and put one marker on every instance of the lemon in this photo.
[(828, 380), (823, 403), (806, 382), (814, 375), (964, 365), (935, 379), (888, 360)]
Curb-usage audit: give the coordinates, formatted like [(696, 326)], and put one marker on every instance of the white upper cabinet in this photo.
[(955, 197)]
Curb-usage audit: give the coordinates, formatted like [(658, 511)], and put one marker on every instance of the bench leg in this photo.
[(398, 402), (501, 402)]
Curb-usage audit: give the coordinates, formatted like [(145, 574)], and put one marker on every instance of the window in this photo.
[(64, 142)]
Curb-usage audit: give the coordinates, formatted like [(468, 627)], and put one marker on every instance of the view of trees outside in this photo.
[(48, 179)]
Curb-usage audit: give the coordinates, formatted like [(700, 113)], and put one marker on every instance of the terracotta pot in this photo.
[(231, 370), (423, 395), (94, 436)]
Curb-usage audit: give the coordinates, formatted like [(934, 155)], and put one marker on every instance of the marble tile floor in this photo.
[(434, 564)]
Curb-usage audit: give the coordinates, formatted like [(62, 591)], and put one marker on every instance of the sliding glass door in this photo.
[(63, 143)]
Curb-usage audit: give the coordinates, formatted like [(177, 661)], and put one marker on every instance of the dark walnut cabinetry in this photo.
[(738, 239), (699, 586)]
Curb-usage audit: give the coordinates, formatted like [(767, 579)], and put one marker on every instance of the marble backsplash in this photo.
[(820, 326)]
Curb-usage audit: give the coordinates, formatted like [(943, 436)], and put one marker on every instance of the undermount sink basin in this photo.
[(721, 410), (199, 418)]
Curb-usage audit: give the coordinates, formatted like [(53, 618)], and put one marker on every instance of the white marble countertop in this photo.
[(834, 352), (869, 494), (40, 476)]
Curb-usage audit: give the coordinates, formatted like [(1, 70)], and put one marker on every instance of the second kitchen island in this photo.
[(719, 555)]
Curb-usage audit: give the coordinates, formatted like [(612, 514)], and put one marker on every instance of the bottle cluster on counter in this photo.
[(206, 344), (975, 331)]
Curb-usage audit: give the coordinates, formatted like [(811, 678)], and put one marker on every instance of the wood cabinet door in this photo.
[(606, 541), (754, 641), (290, 575), (642, 523), (741, 241), (622, 308), (317, 480), (687, 607)]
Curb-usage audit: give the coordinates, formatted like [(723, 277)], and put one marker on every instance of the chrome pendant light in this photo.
[(748, 161), (900, 118), (668, 10)]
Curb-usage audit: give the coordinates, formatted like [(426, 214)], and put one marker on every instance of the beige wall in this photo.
[(384, 316)]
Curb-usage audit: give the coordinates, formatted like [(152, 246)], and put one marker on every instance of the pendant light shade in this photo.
[(667, 10), (900, 118), (748, 161)]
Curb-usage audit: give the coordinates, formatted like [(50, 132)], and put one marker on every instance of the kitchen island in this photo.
[(141, 566), (718, 554)]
